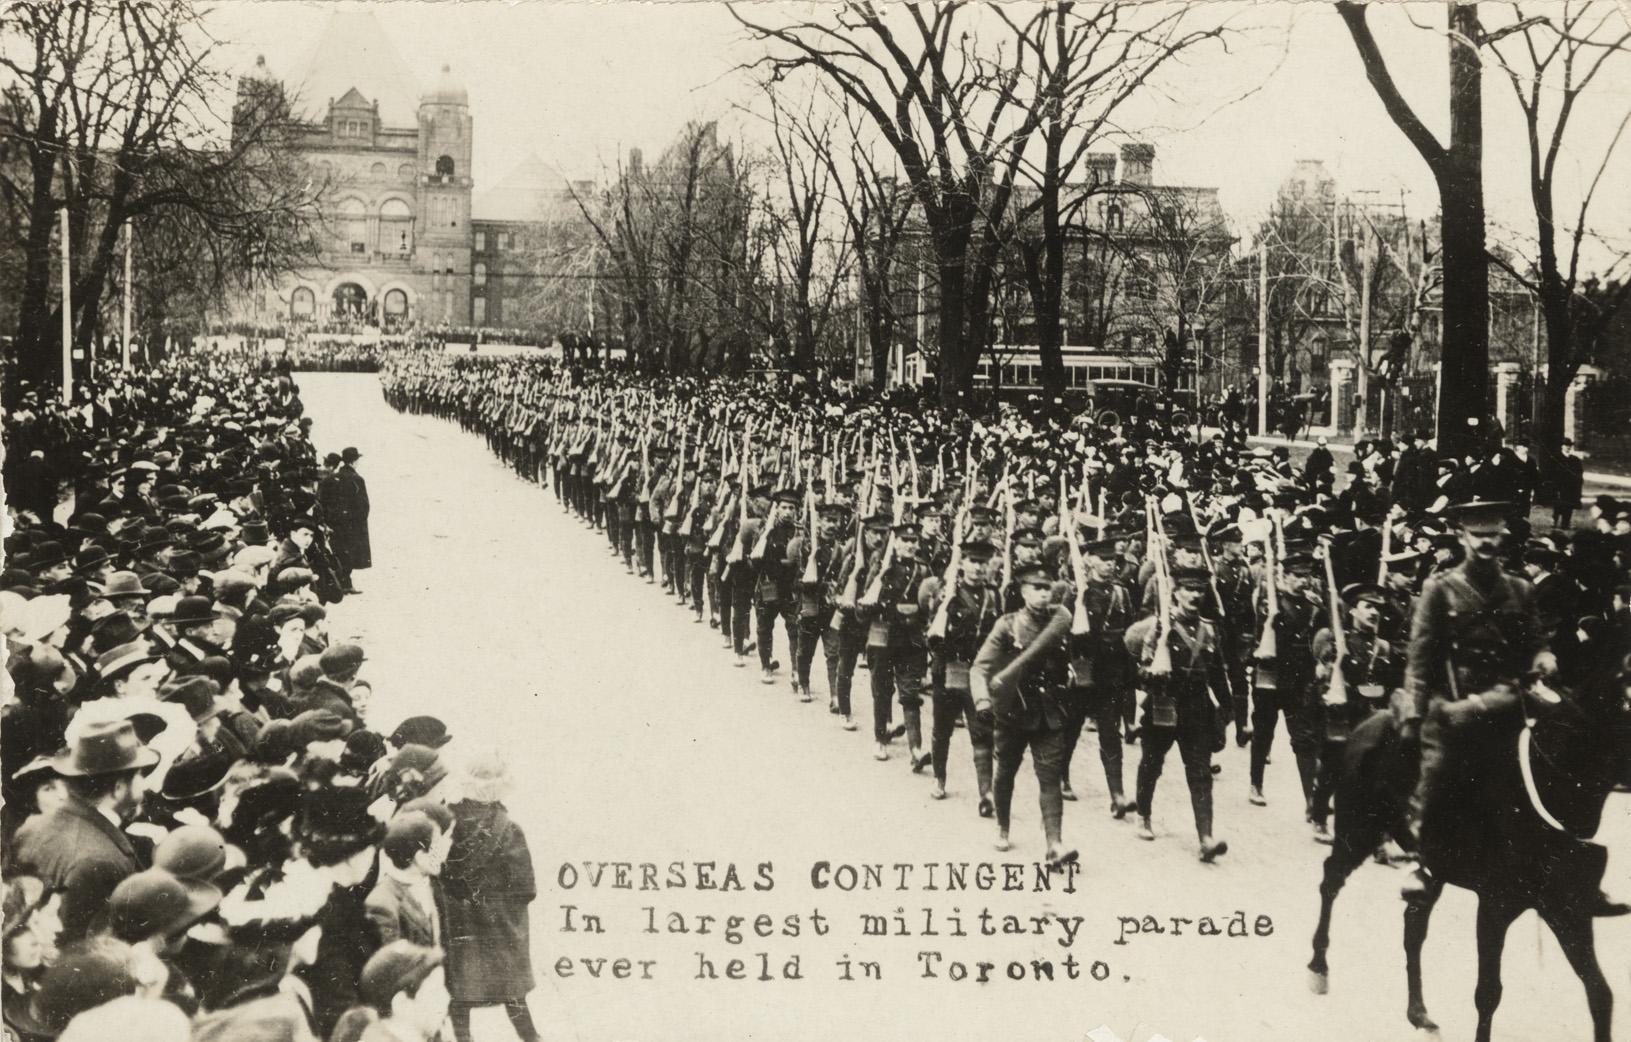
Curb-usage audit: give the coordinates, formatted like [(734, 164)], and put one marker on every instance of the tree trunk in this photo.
[(951, 336), (1464, 389)]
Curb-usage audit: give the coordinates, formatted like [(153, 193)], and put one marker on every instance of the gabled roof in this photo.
[(353, 53), (534, 190), (353, 100)]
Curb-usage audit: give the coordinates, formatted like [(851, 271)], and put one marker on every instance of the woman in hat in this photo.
[(487, 884), (28, 929), (271, 929)]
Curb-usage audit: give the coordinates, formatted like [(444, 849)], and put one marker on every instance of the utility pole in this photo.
[(67, 318), (1262, 337), (124, 332), (1362, 370)]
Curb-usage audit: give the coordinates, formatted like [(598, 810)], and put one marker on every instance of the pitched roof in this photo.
[(354, 53), (533, 191)]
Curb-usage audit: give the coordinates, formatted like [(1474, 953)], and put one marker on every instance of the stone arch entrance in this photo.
[(350, 300)]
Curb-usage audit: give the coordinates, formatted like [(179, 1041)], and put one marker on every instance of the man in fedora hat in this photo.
[(80, 847)]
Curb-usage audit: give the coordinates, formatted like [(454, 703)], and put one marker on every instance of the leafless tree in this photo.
[(1551, 63), (941, 101), (117, 111)]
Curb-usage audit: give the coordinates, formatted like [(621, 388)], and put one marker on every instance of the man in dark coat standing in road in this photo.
[(1569, 481), (351, 528)]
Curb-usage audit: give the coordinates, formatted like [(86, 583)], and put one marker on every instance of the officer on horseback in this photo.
[(1474, 637)]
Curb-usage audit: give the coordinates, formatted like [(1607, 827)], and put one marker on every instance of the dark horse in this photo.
[(1490, 835)]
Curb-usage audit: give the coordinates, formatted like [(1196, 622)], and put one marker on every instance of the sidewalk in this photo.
[(1597, 481)]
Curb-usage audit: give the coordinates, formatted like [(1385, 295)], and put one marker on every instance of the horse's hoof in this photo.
[(1319, 983), (1422, 1022)]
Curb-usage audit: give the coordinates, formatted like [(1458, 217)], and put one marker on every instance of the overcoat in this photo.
[(487, 884)]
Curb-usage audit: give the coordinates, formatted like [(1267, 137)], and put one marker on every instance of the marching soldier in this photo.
[(897, 648), (1018, 682), (774, 563), (1188, 705), (1103, 682), (1371, 671), (818, 599), (971, 612)]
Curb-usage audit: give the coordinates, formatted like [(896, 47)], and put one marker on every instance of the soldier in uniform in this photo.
[(817, 600), (775, 567), (1293, 672), (1474, 631), (970, 614), (1194, 696), (897, 648), (1103, 676), (1018, 681), (1371, 672)]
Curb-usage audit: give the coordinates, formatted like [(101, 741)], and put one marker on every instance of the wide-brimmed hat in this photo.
[(117, 660), (350, 454), (334, 824), (155, 903), (124, 584), (105, 748), (427, 731)]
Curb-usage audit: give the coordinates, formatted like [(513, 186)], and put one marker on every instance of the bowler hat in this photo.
[(79, 981), (108, 747), (195, 852), (193, 610), (197, 776)]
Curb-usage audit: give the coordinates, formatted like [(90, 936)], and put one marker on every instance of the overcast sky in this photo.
[(578, 83)]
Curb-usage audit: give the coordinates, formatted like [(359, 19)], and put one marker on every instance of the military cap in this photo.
[(1353, 593), (1028, 537), (907, 529), (977, 550), (789, 495), (1480, 513), (833, 511), (1191, 578), (1035, 572), (879, 522)]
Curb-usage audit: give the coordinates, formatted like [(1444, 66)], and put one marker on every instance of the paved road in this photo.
[(634, 740)]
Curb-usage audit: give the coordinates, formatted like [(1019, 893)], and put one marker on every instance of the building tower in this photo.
[(443, 234)]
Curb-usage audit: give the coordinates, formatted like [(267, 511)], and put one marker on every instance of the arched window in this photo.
[(377, 170), (444, 165), (396, 303), (479, 274), (396, 226), (302, 302), (405, 171), (354, 225)]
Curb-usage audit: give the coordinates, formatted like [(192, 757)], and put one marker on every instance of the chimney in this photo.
[(1138, 164)]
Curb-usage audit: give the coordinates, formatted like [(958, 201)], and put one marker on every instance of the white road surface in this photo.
[(634, 740)]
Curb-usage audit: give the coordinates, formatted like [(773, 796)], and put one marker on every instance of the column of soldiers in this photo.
[(1030, 581)]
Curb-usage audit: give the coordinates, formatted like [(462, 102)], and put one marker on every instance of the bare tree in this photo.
[(1551, 62), (944, 107), (1090, 60), (809, 267), (116, 111)]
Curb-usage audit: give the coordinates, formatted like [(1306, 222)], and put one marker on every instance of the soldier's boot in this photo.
[(917, 755), (1145, 830), (1307, 768), (1200, 797), (1120, 806)]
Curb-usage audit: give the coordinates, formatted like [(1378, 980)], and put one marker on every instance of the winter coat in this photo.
[(487, 884)]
